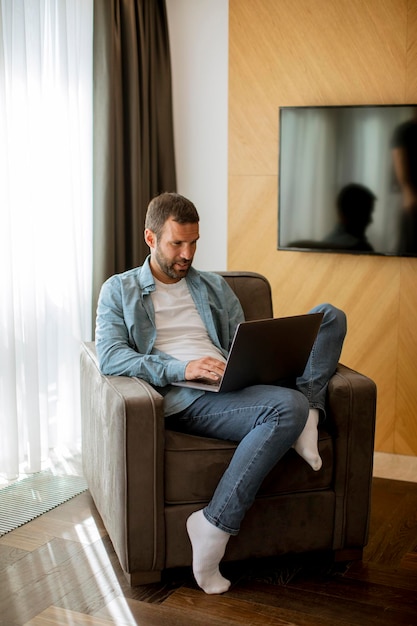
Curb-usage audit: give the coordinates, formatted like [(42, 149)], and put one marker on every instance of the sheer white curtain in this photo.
[(308, 144), (45, 223)]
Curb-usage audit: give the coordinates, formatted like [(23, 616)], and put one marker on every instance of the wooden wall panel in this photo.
[(406, 383), (300, 52), (411, 76)]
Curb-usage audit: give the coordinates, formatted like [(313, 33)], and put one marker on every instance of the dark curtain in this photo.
[(133, 129)]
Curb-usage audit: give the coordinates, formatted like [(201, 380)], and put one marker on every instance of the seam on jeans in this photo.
[(255, 455), (310, 382), (242, 408)]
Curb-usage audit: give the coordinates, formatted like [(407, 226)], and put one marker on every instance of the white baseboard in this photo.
[(395, 466)]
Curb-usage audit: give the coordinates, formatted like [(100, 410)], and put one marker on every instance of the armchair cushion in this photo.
[(195, 465)]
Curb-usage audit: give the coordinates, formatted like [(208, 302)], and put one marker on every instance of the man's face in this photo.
[(172, 254)]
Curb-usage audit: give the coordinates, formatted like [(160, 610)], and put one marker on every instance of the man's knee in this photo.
[(333, 317), (282, 407), (296, 409)]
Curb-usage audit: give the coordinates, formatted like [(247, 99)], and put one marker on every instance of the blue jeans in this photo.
[(265, 420)]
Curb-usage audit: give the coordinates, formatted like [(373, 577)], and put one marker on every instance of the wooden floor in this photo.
[(61, 569)]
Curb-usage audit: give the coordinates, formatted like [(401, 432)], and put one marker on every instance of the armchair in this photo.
[(146, 480)]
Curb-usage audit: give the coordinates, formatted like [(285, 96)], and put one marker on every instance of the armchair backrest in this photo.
[(254, 293)]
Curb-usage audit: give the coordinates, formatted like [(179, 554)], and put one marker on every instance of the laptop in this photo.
[(265, 352)]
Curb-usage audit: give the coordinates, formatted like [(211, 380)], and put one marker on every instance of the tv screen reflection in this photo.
[(348, 179)]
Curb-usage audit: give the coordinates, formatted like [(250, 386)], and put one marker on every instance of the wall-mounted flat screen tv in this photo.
[(348, 179)]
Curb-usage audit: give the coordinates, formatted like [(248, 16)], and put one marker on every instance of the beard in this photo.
[(168, 266)]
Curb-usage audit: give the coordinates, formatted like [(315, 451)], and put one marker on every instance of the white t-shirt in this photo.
[(180, 330)]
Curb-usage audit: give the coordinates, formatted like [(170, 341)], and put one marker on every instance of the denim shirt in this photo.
[(126, 331)]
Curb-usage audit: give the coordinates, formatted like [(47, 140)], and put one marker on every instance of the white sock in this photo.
[(307, 443), (209, 545)]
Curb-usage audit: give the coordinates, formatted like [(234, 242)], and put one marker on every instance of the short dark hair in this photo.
[(354, 200), (167, 205)]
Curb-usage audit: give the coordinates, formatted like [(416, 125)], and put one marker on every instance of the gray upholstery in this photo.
[(145, 481)]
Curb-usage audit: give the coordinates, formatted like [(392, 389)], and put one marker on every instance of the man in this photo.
[(404, 154), (355, 206), (165, 322)]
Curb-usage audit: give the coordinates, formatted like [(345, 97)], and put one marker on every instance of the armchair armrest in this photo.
[(351, 421), (123, 446)]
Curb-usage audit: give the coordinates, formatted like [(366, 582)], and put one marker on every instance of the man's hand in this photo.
[(207, 368)]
